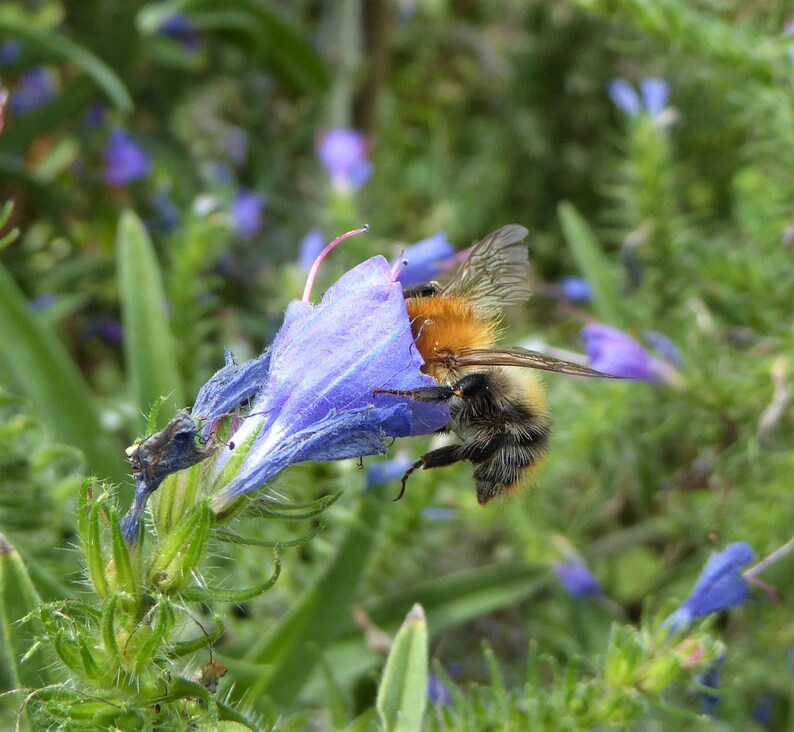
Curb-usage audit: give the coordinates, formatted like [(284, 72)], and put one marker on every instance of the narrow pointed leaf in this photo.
[(126, 580), (402, 694), (149, 349)]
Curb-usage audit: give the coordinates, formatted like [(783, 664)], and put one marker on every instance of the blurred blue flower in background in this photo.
[(179, 27), (33, 90), (309, 249), (95, 116), (426, 260), (343, 152), (106, 328), (125, 159), (317, 401), (168, 215), (10, 51), (664, 347), (612, 351), (720, 586), (709, 680), (247, 213), (384, 472), (579, 582), (655, 95), (576, 289), (40, 303), (437, 691)]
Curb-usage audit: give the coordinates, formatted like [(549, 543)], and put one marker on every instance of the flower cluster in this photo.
[(653, 97)]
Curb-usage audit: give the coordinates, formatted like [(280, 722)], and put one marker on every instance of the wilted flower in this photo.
[(309, 248), (317, 401), (578, 581), (576, 289), (720, 586), (426, 260), (125, 159), (179, 27), (34, 89), (343, 152), (612, 351), (247, 213), (655, 94)]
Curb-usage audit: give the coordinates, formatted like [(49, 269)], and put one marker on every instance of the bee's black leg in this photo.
[(469, 386), (438, 458)]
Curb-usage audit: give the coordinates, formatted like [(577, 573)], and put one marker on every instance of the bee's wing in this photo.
[(524, 359), (494, 275)]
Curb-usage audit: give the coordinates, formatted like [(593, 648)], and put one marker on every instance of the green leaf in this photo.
[(402, 694), (315, 620), (92, 547), (44, 370), (109, 632), (149, 349), (26, 662), (15, 23), (593, 265)]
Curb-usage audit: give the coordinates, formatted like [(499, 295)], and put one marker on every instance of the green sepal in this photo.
[(232, 538), (28, 662), (109, 632), (189, 537), (281, 511), (125, 579), (91, 668), (67, 649), (91, 538), (181, 688), (402, 694), (184, 648), (154, 643), (209, 594)]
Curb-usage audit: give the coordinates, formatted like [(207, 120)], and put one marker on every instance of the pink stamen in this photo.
[(307, 291), (398, 265)]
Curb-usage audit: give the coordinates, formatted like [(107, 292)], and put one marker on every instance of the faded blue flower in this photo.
[(95, 116), (655, 95), (426, 260), (720, 586), (236, 144), (579, 582), (709, 681), (180, 28), (343, 152), (34, 89), (247, 213), (168, 215), (612, 351), (384, 472), (125, 160), (41, 303), (437, 691), (317, 400), (105, 328), (309, 249), (576, 289), (664, 347), (10, 51)]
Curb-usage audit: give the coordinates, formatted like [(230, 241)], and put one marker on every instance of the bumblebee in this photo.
[(497, 402)]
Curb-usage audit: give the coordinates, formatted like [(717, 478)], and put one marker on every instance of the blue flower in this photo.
[(181, 28), (309, 249), (612, 351), (578, 581), (709, 694), (95, 116), (247, 213), (125, 160), (387, 471), (655, 95), (576, 289), (426, 260), (43, 302), (720, 586), (437, 691), (168, 215), (664, 347), (343, 152), (10, 51), (34, 89), (317, 402)]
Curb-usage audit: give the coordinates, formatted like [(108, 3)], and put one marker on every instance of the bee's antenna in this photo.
[(307, 291)]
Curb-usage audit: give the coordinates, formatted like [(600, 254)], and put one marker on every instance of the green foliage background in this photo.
[(479, 114)]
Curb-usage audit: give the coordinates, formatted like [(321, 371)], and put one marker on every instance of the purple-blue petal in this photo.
[(721, 585), (125, 160), (655, 95), (247, 213), (326, 361), (426, 260), (34, 89), (624, 96), (437, 691), (664, 347), (578, 581), (612, 351), (179, 27), (309, 248), (343, 152), (576, 289)]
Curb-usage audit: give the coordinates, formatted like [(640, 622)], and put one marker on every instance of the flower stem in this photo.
[(771, 559)]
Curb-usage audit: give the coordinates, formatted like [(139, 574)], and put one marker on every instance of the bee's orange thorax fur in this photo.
[(444, 325)]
